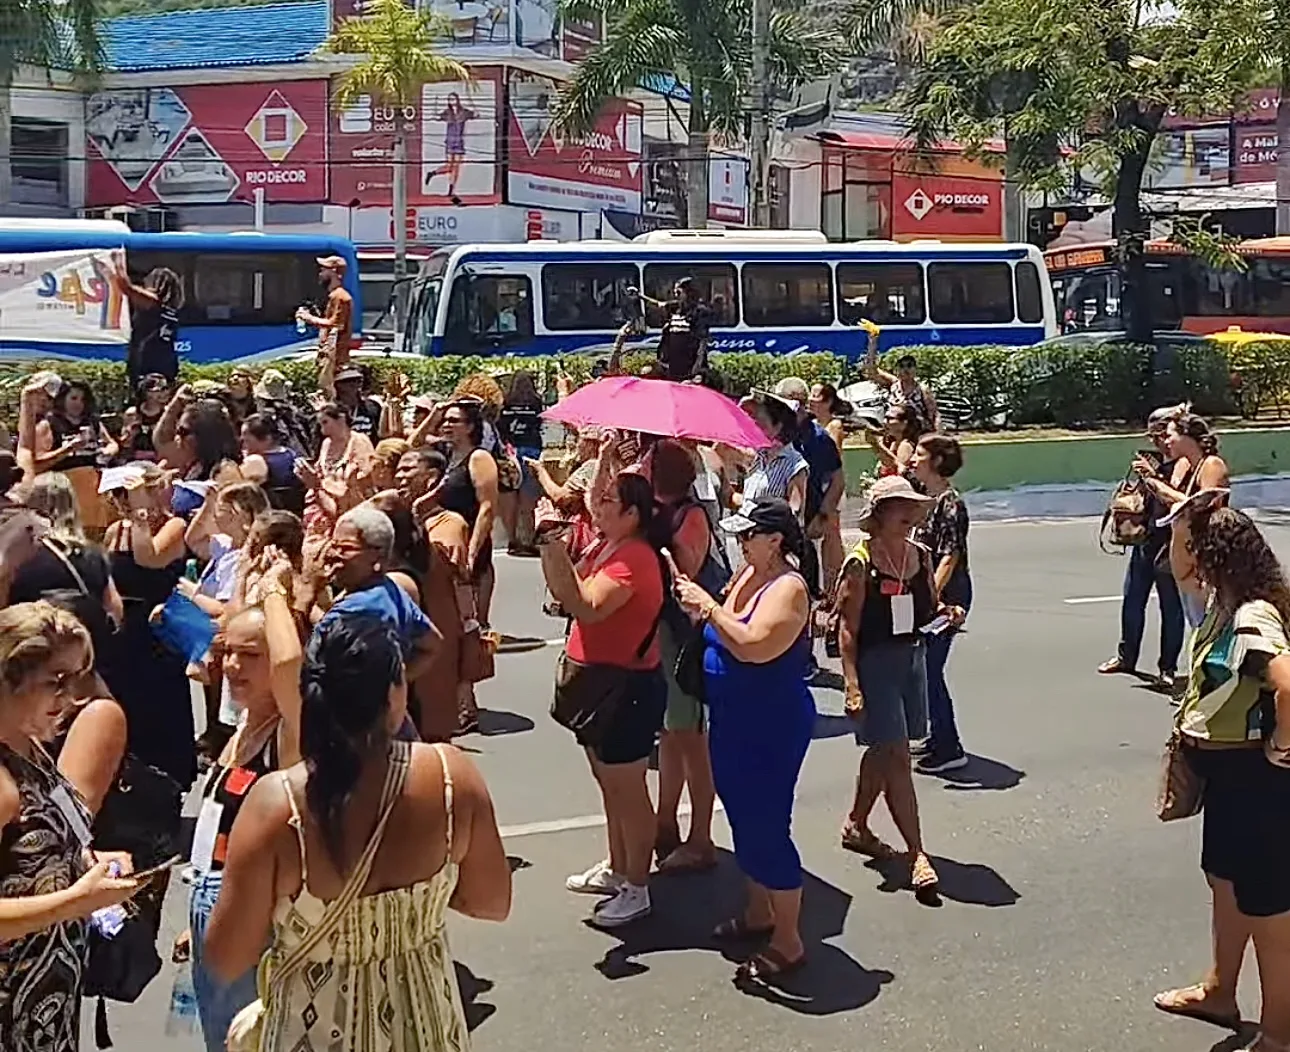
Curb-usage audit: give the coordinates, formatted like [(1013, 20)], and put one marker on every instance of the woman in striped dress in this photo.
[(779, 470)]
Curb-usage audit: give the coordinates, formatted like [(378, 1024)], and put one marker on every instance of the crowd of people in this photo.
[(323, 568)]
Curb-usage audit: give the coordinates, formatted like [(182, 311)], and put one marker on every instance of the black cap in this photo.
[(766, 516)]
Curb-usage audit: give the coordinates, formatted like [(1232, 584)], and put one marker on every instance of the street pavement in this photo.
[(1065, 903)]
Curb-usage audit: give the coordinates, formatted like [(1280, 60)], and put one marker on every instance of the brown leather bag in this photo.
[(1182, 790)]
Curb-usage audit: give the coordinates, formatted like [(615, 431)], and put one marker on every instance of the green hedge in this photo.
[(1054, 384)]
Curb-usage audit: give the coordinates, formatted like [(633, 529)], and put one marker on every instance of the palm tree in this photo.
[(47, 34), (705, 45), (397, 48), (902, 29)]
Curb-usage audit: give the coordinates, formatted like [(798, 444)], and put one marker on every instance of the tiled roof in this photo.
[(247, 35)]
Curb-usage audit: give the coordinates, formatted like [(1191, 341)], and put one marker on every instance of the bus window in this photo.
[(1271, 278), (1030, 300), (488, 311), (587, 295), (886, 293), (787, 294), (261, 288), (1220, 292), (717, 285), (970, 293)]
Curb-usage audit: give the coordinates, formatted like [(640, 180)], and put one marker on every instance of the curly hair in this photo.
[(1233, 557), (483, 387)]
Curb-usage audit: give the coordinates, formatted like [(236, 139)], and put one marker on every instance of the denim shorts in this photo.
[(893, 680), (217, 1002)]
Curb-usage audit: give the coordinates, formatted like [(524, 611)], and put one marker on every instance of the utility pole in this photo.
[(759, 168)]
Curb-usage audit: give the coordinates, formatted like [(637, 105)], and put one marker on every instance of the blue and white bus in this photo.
[(780, 291), (241, 290)]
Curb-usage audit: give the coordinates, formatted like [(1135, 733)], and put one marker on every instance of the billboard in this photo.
[(941, 206), (728, 179), (451, 141), (60, 297), (549, 168), (1257, 149), (207, 143)]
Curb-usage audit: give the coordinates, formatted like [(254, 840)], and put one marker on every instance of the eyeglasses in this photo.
[(454, 420), (62, 682)]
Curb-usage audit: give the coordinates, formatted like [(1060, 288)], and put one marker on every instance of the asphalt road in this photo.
[(1065, 904)]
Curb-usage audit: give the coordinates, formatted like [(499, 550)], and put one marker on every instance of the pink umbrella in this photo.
[(660, 407)]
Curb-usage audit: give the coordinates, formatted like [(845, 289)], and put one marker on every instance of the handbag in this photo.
[(476, 650), (246, 1031), (688, 669), (589, 694), (1182, 790)]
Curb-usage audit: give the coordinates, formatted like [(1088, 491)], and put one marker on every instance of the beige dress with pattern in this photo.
[(384, 981)]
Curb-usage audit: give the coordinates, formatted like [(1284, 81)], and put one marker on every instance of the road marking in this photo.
[(1084, 599), (560, 825)]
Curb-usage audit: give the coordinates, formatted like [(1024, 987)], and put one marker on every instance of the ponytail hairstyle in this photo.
[(350, 665), (1197, 428), (793, 544), (635, 491)]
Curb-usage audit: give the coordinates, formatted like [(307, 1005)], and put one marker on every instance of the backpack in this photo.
[(1126, 519), (713, 575)]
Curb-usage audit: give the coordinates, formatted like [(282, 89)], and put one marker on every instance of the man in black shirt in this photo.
[(683, 346), (364, 412)]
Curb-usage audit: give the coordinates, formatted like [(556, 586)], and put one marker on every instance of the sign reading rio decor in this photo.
[(60, 297), (595, 171), (208, 143), (944, 206)]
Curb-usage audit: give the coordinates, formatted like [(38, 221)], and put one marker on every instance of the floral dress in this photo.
[(42, 851)]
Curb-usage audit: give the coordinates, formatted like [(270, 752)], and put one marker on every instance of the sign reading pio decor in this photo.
[(946, 206), (595, 171), (207, 143)]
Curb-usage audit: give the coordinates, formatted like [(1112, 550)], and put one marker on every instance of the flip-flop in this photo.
[(736, 928), (866, 842), (768, 964), (1193, 1010)]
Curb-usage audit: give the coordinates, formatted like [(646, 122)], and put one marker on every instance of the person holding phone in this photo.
[(1148, 565), (50, 881)]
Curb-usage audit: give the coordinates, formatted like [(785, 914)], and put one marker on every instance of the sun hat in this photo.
[(272, 386)]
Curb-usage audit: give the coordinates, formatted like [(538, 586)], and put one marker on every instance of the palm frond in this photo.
[(56, 34)]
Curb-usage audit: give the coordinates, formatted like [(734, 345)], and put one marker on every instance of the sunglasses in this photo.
[(454, 420), (62, 682)]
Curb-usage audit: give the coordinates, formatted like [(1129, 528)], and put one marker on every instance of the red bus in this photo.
[(1185, 293)]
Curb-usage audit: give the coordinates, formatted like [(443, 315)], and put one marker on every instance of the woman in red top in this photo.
[(615, 596)]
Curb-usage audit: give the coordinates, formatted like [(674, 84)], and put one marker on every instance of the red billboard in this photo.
[(451, 139), (1256, 153), (207, 143), (550, 168), (944, 206)]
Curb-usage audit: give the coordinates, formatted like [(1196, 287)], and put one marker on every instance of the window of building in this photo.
[(970, 293), (1030, 301), (39, 164), (716, 283), (886, 293), (588, 295), (787, 294)]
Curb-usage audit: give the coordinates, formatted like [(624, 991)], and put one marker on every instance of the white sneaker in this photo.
[(629, 904), (598, 880)]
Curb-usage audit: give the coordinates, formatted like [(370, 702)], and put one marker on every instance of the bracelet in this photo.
[(277, 589), (706, 613)]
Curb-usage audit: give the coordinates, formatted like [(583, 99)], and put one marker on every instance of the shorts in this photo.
[(893, 680), (684, 713), (1246, 833), (634, 728), (529, 485)]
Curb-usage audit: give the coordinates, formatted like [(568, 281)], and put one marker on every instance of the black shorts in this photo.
[(1246, 836), (631, 733)]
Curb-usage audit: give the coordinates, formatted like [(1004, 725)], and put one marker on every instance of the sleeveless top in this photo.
[(457, 492), (41, 851), (228, 787), (64, 430), (384, 980), (140, 446), (879, 587), (759, 685)]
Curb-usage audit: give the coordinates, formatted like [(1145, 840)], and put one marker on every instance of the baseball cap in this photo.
[(336, 263), (794, 389), (767, 516)]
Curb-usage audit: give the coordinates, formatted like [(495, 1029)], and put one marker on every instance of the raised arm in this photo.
[(164, 436)]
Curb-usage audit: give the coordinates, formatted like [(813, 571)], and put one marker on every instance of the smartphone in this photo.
[(1152, 455), (153, 872), (937, 625), (671, 563)]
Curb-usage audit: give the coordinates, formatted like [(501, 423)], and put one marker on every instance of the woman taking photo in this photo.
[(146, 549), (470, 489), (895, 445), (140, 420), (762, 717), (520, 426), (886, 595), (340, 479), (615, 598), (372, 840), (77, 443), (49, 882), (262, 661), (1234, 727)]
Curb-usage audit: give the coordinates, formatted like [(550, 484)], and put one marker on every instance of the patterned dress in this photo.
[(384, 981), (40, 852)]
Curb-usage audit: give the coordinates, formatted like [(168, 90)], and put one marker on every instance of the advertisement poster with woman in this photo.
[(458, 139)]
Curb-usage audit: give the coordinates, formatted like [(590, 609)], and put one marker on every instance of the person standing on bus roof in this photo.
[(683, 346), (154, 320), (335, 327)]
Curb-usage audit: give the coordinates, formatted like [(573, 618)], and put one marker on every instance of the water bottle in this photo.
[(182, 1017), (190, 570), (301, 327)]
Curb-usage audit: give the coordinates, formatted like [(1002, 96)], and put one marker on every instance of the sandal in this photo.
[(1176, 1002), (686, 859), (1110, 668), (922, 875), (737, 928), (768, 964), (866, 842)]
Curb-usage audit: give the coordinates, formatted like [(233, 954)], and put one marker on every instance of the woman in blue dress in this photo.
[(761, 719)]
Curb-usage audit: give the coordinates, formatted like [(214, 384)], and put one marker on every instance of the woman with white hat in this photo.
[(887, 603)]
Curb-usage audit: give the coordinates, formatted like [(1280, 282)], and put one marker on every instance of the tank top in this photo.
[(64, 430), (282, 486), (876, 617), (225, 791), (152, 341), (457, 492)]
